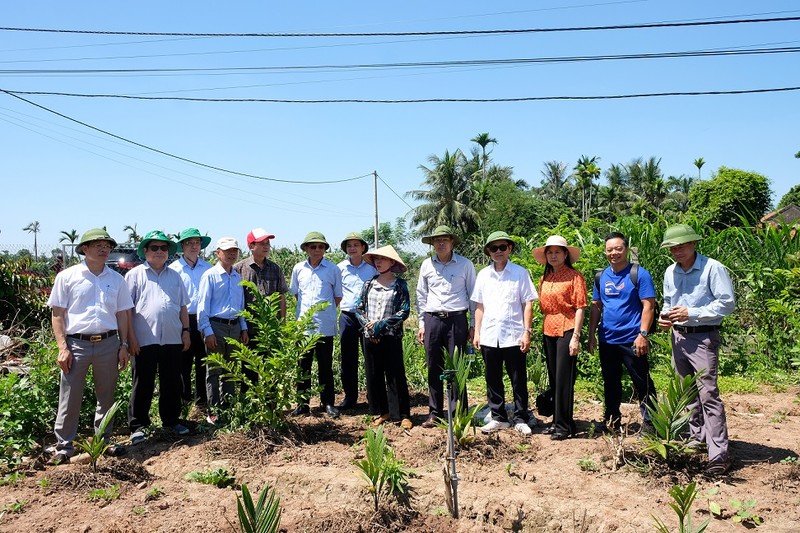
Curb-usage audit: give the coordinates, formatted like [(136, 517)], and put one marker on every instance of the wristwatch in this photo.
[(123, 343), (643, 333)]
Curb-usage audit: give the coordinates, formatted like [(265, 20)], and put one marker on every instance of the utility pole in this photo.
[(375, 195)]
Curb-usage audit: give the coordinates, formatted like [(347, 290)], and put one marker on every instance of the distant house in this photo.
[(785, 216)]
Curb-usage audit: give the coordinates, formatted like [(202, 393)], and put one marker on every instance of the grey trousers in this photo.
[(217, 388), (693, 352), (103, 358)]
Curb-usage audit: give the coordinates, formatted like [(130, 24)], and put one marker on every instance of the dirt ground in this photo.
[(507, 482)]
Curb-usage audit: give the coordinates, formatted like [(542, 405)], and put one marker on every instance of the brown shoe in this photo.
[(406, 423), (380, 420), (430, 422)]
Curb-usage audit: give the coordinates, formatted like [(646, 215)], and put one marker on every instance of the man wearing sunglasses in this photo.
[(159, 333), (317, 280)]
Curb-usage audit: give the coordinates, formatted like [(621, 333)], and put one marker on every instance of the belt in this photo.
[(696, 329), (349, 313), (93, 338), (228, 321), (446, 314)]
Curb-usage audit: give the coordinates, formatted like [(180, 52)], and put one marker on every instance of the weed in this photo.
[(670, 417), (791, 460), (264, 516), (744, 512), (522, 448), (11, 479), (683, 499), (154, 494), (108, 494), (587, 464), (713, 506), (509, 468), (17, 506), (590, 432), (139, 511), (441, 511), (381, 468), (220, 477), (778, 417), (44, 482), (97, 445)]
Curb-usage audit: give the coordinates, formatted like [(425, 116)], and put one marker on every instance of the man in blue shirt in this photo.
[(626, 303), (698, 293)]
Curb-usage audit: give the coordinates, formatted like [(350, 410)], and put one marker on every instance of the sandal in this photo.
[(406, 423), (380, 420)]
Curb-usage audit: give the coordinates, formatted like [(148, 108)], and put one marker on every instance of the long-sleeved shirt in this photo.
[(191, 279), (353, 279), (158, 299), (388, 307), (220, 296), (313, 285), (705, 290), (446, 286)]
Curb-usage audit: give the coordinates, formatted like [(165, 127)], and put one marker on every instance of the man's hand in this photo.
[(211, 342), (187, 340), (640, 346), (244, 337), (123, 357), (476, 341), (592, 343), (421, 335), (525, 342), (64, 360), (679, 313)]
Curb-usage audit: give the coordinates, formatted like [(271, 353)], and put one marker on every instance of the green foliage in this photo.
[(731, 198), (415, 361), (791, 197), (108, 494), (587, 464), (154, 494), (23, 301), (396, 235), (96, 445), (264, 516), (682, 505), (17, 506), (517, 211), (670, 417), (11, 478), (219, 477), (713, 506), (744, 512), (382, 470), (463, 417)]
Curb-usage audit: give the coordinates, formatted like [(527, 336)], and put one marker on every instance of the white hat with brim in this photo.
[(227, 243), (556, 240), (388, 252)]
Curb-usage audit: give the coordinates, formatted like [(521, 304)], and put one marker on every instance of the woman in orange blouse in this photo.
[(562, 297)]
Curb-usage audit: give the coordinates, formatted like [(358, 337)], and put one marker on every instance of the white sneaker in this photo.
[(523, 428), (495, 425)]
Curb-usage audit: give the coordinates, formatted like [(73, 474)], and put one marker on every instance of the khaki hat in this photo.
[(679, 234), (189, 233), (556, 240), (354, 236), (497, 236), (314, 236), (95, 234), (155, 235), (227, 243), (388, 252), (441, 231)]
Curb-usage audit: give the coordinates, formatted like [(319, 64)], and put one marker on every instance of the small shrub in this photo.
[(11, 479), (778, 418), (108, 494), (670, 418), (220, 477), (154, 494), (264, 516), (744, 513), (587, 464), (96, 445), (381, 468), (682, 505)]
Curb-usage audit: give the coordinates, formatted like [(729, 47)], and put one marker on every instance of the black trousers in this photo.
[(387, 387), (194, 357), (443, 334), (561, 371), (323, 352), (612, 358), (514, 360), (166, 361), (349, 342)]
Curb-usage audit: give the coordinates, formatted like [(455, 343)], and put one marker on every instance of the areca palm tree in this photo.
[(34, 227), (133, 236), (70, 237), (447, 200), (585, 173), (699, 162), (554, 179), (484, 140)]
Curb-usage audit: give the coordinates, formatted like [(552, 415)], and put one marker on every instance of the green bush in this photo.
[(23, 298)]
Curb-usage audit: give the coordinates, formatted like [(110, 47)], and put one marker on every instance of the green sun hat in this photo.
[(156, 235), (497, 236), (679, 234), (95, 234), (189, 233), (441, 231), (314, 236), (354, 236)]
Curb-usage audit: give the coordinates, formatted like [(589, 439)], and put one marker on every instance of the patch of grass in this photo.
[(44, 482), (778, 417), (11, 479), (587, 464), (17, 506), (154, 494), (139, 511), (738, 384), (108, 494), (522, 448), (220, 477)]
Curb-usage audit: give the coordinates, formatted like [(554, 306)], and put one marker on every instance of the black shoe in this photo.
[(430, 422), (115, 450), (557, 435), (347, 403), (549, 430), (717, 467), (301, 409), (332, 411)]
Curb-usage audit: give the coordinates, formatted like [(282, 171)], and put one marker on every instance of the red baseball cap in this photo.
[(258, 235)]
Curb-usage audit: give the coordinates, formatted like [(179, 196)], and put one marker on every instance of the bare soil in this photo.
[(507, 482)]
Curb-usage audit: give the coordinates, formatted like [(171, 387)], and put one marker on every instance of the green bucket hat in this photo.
[(95, 234), (314, 236), (497, 236), (354, 236), (155, 235), (441, 231), (679, 234), (189, 233)]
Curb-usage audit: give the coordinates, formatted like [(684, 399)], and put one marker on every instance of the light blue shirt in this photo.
[(314, 285), (222, 296), (353, 278), (191, 279), (705, 289), (158, 299)]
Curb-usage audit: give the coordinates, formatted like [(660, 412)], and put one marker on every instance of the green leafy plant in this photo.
[(670, 417), (521, 448), (791, 460), (154, 494), (12, 478), (220, 477), (264, 516), (381, 468), (463, 416), (587, 464), (17, 506), (744, 512), (713, 506), (778, 417), (96, 445), (108, 494), (44, 483), (682, 505)]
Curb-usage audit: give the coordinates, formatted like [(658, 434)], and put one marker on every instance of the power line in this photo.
[(184, 159), (393, 191), (414, 33), (366, 101)]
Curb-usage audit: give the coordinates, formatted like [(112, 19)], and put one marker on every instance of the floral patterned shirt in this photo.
[(561, 294)]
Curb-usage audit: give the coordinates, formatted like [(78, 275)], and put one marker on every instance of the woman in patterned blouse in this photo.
[(562, 297)]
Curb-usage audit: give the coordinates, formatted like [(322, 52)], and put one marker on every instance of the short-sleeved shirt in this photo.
[(313, 285), (157, 299), (92, 302), (353, 279), (221, 296), (561, 294), (503, 295), (622, 303), (191, 279), (267, 278)]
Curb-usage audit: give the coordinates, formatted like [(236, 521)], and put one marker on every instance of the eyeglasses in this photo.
[(158, 247), (494, 247), (100, 244)]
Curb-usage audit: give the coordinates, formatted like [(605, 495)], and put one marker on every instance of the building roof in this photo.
[(789, 214)]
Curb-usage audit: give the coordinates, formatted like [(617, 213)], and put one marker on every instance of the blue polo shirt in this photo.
[(622, 303)]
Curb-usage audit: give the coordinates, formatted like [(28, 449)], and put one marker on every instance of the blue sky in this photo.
[(67, 176)]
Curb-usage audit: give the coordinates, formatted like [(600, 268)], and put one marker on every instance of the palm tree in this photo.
[(585, 172), (34, 227), (554, 179), (484, 140), (132, 235), (699, 162), (71, 237), (447, 199)]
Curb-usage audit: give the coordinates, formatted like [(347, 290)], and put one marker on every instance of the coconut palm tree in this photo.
[(34, 227), (484, 140), (70, 237), (699, 162), (133, 236), (448, 197), (554, 179)]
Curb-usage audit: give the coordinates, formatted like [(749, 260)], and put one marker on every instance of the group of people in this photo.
[(165, 319)]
